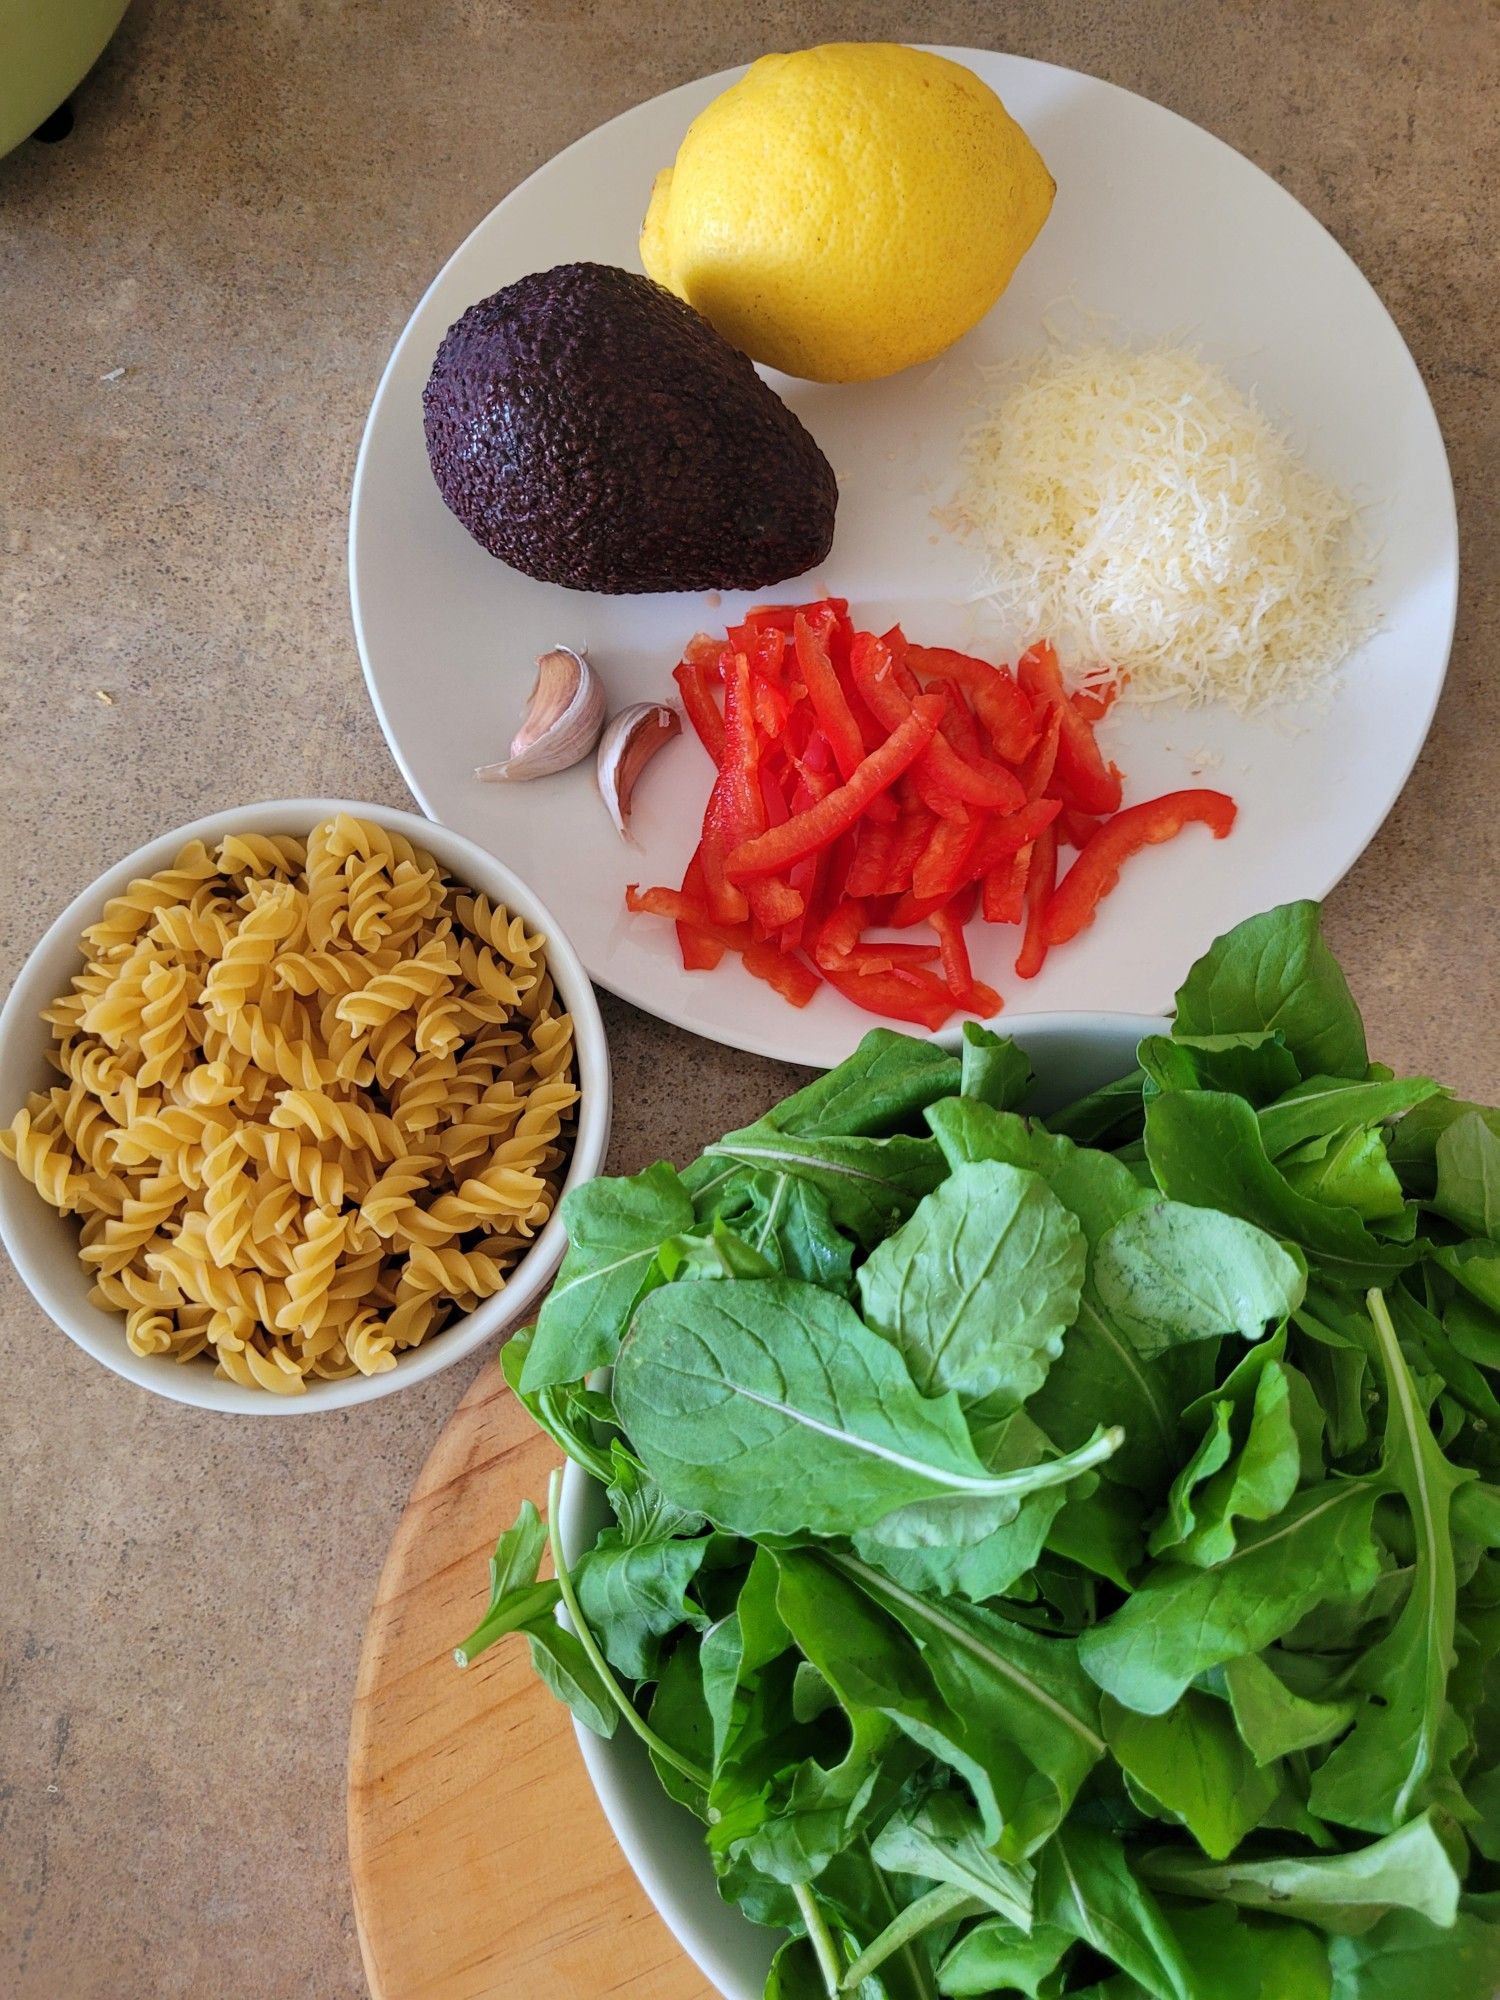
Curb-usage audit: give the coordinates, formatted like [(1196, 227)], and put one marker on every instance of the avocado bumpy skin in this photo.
[(592, 430)]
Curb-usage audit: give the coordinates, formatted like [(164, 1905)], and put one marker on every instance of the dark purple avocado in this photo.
[(592, 430)]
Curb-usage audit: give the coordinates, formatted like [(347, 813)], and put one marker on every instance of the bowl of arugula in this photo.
[(1032, 1523)]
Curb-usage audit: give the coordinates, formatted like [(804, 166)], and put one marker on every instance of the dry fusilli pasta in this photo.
[(316, 1099)]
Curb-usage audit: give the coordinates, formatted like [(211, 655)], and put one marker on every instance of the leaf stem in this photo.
[(947, 1900), (819, 1937), (596, 1659)]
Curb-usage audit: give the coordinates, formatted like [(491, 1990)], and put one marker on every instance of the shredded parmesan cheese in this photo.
[(1143, 514)]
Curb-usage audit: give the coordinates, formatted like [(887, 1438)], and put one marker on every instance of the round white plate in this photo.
[(1159, 227)]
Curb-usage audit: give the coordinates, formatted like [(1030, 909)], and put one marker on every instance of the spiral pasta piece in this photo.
[(315, 1101)]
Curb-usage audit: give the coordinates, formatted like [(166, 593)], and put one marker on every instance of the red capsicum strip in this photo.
[(1039, 880), (864, 786), (878, 676), (830, 704), (1072, 906), (896, 995), (806, 832), (695, 678), (1089, 783), (1000, 704)]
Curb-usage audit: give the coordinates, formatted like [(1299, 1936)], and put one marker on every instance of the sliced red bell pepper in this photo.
[(897, 995), (1089, 783), (773, 709), (681, 908), (1002, 706), (1009, 832), (873, 847), (736, 811), (770, 852), (943, 865), (959, 726), (878, 675), (968, 993), (783, 617), (701, 951), (696, 677), (1077, 897), (914, 831), (1041, 760), (792, 978), (1094, 703), (830, 704), (1005, 888), (840, 930), (1077, 828), (1040, 877)]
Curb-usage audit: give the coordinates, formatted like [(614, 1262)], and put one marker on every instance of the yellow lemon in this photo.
[(848, 210)]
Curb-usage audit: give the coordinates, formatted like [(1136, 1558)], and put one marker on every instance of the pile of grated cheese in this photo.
[(1143, 514)]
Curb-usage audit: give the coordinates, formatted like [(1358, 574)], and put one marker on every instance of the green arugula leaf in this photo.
[(1250, 1958), (1404, 1955), (517, 1599), (1205, 1149), (870, 1185), (787, 1221), (1350, 1170), (614, 1230), (1273, 1720), (642, 1512), (973, 1549), (520, 1603), (1263, 1437), (1274, 971), (772, 1408), (1025, 1690), (1257, 1065), (1085, 1884), (715, 1253), (1475, 1267), (1100, 1368), (1195, 1766), (1325, 1105), (939, 1838), (560, 1663), (995, 1071), (634, 1595), (1180, 1622), (1167, 1272), (1414, 1142), (881, 1089), (1112, 1113), (1410, 1869), (570, 1414), (679, 1716), (977, 1289), (1468, 1174), (997, 1957), (1399, 1755)]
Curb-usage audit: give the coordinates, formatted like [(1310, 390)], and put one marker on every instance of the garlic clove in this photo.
[(627, 746), (563, 718)]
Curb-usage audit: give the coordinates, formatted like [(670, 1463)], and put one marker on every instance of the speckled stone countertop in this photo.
[(255, 193)]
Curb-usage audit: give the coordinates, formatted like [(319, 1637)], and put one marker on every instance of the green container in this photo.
[(47, 47)]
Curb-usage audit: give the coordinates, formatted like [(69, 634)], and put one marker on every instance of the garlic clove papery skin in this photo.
[(563, 718), (630, 740)]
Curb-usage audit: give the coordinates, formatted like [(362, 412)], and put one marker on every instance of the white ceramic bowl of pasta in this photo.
[(1071, 1055), (44, 1245)]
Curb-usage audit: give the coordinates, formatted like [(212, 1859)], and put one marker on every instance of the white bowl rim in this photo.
[(35, 985), (633, 1813)]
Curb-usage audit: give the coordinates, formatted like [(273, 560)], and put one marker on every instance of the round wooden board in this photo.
[(483, 1868)]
